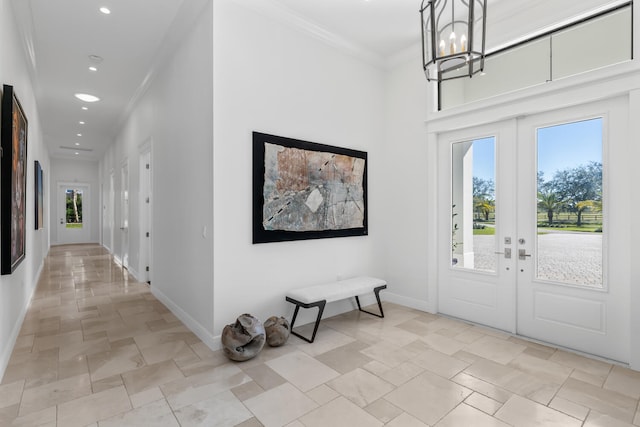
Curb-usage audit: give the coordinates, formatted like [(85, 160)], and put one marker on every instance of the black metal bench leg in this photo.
[(319, 304), (377, 292)]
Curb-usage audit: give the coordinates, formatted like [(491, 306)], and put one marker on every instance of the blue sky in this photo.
[(559, 147)]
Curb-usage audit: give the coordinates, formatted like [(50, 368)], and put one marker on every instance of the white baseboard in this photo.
[(213, 342), (5, 356), (407, 302)]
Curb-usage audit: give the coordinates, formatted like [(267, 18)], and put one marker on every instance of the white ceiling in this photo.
[(139, 34)]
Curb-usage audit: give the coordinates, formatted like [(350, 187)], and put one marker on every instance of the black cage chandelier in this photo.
[(453, 38)]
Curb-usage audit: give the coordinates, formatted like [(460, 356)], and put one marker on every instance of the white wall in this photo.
[(408, 206), (174, 116), (271, 78), (81, 172), (16, 289)]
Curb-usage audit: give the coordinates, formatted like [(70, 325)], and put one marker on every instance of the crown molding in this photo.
[(277, 11)]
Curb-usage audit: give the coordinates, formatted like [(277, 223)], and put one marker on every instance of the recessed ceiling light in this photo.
[(79, 134), (85, 108), (105, 10), (93, 69), (86, 97), (81, 122), (96, 59), (77, 153), (77, 144)]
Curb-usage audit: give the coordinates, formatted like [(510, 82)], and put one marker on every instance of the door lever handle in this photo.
[(522, 254)]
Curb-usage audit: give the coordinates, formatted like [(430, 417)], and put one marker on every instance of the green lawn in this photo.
[(74, 225), (487, 231), (589, 228)]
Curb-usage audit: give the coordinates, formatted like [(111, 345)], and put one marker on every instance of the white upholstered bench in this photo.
[(320, 295)]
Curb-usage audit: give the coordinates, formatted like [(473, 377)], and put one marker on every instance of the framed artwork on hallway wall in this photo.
[(304, 190), (13, 189), (39, 196)]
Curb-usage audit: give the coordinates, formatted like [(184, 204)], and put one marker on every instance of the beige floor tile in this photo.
[(598, 420), (70, 351), (339, 412), (222, 410), (545, 370), (116, 361), (416, 327), (157, 414), (322, 394), (54, 393), (345, 358), (325, 341), (196, 388), (625, 381), (94, 407), (107, 383), (406, 420), (11, 394), (40, 366), (361, 387), (264, 376), (383, 410), (514, 380), (496, 349), (584, 364), (178, 350), (572, 409), (389, 354), (606, 402), (302, 370), (428, 397), (145, 397), (401, 373), (151, 376), (443, 344), (58, 340), (43, 418), (440, 363), (465, 415), (253, 422), (526, 413), (280, 406), (483, 403), (247, 390)]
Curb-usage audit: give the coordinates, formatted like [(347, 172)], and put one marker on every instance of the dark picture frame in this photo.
[(304, 190), (39, 196), (13, 190)]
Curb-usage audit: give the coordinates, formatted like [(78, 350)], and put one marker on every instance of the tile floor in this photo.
[(97, 349)]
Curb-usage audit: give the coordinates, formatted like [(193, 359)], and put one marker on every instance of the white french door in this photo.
[(533, 230), (73, 213), (475, 282)]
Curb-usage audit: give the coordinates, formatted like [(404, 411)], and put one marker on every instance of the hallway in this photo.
[(97, 349)]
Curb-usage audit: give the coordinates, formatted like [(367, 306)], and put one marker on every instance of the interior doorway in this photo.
[(74, 213)]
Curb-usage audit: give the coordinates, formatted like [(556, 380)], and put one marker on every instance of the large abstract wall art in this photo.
[(303, 190)]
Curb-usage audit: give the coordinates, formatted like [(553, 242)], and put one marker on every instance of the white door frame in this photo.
[(571, 315), (67, 236), (486, 298), (124, 213), (145, 203), (460, 292)]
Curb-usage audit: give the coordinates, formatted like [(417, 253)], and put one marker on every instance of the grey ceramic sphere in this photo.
[(277, 329), (244, 339)]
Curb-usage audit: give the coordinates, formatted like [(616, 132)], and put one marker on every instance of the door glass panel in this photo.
[(473, 223), (570, 215), (74, 208)]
